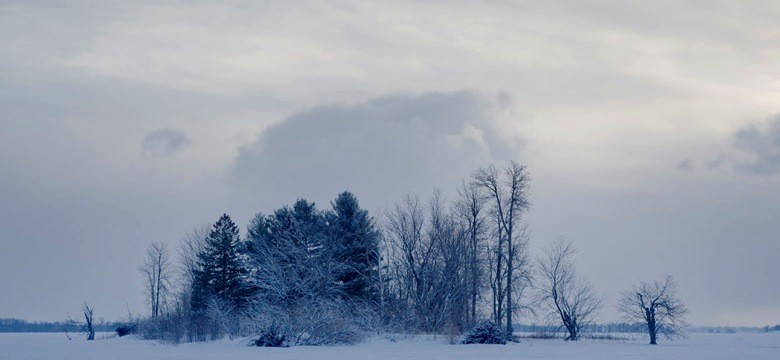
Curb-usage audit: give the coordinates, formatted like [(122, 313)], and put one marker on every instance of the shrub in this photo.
[(126, 329), (270, 338), (485, 333)]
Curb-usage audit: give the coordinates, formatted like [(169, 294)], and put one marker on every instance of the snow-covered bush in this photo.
[(324, 323), (486, 333)]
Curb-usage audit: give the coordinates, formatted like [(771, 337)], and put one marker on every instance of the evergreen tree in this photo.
[(355, 242), (223, 272), (288, 253)]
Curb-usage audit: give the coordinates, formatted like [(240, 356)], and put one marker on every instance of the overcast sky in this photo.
[(650, 130)]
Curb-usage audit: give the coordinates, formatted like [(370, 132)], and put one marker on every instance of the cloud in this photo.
[(685, 165), (380, 148), (163, 143), (717, 162), (760, 143)]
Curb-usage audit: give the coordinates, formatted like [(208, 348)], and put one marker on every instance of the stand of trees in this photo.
[(304, 275), (312, 275)]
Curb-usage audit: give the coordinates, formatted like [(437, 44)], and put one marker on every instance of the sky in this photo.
[(651, 131)]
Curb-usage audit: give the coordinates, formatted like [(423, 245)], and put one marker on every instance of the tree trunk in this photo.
[(88, 322), (652, 331), (499, 279), (509, 329)]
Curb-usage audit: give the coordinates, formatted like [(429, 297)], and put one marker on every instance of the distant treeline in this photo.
[(641, 328), (18, 325), (734, 329)]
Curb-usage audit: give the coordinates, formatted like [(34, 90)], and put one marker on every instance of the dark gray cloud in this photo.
[(163, 142), (761, 142), (380, 148)]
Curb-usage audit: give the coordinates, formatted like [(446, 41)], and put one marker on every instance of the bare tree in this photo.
[(657, 306), (522, 280), (571, 300), (452, 248), (471, 211), (192, 245), (158, 271), (508, 188), (404, 225), (88, 317), (187, 322), (429, 250)]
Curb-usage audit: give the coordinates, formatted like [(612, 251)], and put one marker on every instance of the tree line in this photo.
[(11, 325), (304, 275)]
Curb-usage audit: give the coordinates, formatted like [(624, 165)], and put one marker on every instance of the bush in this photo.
[(126, 329), (485, 333), (270, 338)]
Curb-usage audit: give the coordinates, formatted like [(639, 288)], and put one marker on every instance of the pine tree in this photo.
[(288, 254), (355, 242), (223, 270)]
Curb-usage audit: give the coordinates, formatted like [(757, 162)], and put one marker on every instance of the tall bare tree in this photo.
[(415, 257), (571, 300), (191, 324), (470, 209), (657, 306), (158, 272), (508, 189)]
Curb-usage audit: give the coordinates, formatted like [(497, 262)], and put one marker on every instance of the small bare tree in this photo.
[(88, 328), (657, 306), (158, 271), (571, 300)]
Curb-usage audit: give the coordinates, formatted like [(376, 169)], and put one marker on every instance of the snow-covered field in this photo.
[(697, 346)]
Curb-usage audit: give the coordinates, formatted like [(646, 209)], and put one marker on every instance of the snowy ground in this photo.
[(697, 346)]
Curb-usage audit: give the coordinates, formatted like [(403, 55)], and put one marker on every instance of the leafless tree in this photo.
[(88, 317), (183, 321), (429, 250), (657, 306), (571, 300), (452, 247), (158, 271), (192, 244), (223, 317), (523, 272), (508, 190), (471, 211), (404, 227)]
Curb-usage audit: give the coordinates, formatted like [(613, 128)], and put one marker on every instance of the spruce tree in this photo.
[(288, 254), (223, 270), (355, 242)]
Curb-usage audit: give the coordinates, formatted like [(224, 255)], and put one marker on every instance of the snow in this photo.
[(698, 346)]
